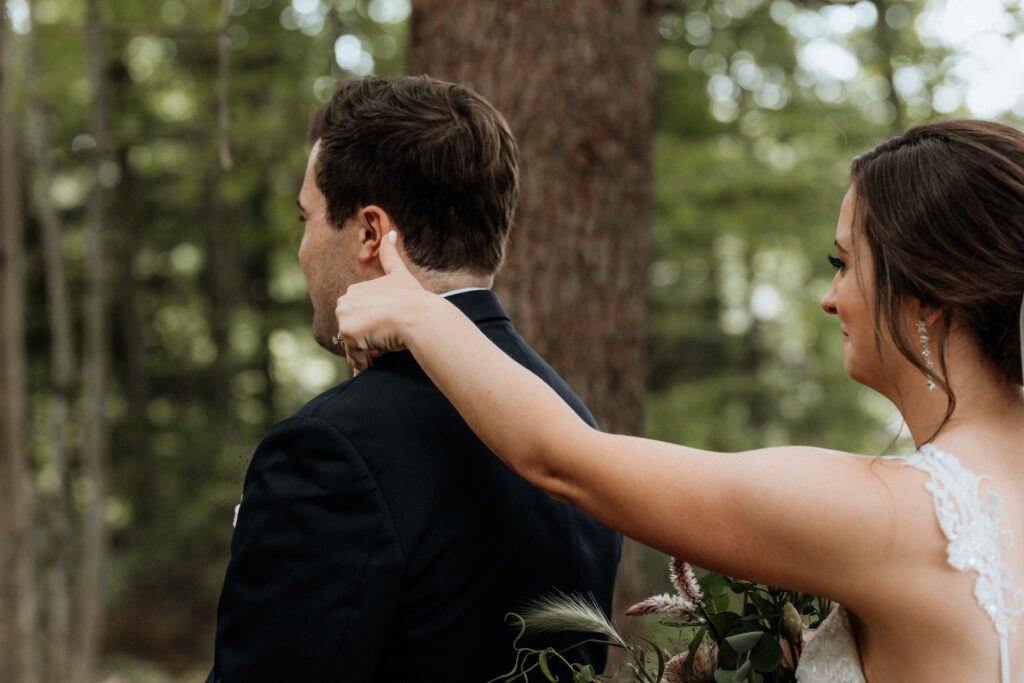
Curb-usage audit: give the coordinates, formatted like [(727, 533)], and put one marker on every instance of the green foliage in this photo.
[(741, 354), (751, 637), (747, 625), (209, 339)]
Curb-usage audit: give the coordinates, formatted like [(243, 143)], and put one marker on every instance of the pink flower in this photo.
[(685, 582), (790, 657), (669, 605), (674, 669), (705, 661)]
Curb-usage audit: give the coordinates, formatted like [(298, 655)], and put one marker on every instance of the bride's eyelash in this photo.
[(837, 263)]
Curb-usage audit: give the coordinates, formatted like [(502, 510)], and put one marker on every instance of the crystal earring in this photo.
[(336, 339), (922, 328)]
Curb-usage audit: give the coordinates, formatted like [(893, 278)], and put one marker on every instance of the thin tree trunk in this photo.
[(885, 39), (62, 362), (575, 79), (18, 604), (223, 88), (94, 423)]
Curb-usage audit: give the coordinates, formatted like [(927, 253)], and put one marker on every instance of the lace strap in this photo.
[(971, 524)]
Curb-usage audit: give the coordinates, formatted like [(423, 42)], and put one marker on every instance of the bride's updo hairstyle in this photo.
[(942, 209)]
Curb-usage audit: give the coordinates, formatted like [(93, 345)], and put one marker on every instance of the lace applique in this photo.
[(971, 523), (831, 655)]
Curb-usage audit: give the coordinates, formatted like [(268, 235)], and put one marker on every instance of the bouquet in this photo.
[(728, 630)]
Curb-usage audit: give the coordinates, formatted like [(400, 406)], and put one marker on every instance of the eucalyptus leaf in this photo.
[(766, 653), (725, 676), (722, 623), (712, 584), (742, 642)]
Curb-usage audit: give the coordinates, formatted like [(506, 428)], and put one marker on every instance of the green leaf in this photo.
[(749, 622), (712, 584), (720, 602), (722, 623), (762, 603), (657, 651), (542, 659), (585, 675), (766, 654), (742, 642), (725, 676), (695, 642), (691, 650)]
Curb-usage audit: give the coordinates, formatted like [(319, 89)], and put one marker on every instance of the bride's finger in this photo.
[(390, 259), (357, 359)]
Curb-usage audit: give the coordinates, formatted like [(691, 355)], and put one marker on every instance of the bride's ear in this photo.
[(917, 310), (930, 315), (374, 223)]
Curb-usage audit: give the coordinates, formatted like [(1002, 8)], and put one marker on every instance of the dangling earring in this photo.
[(922, 328)]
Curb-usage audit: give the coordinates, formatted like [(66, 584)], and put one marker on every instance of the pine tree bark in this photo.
[(62, 372), (575, 79), (91, 597), (18, 604)]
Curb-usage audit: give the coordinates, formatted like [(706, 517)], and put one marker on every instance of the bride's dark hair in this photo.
[(942, 209)]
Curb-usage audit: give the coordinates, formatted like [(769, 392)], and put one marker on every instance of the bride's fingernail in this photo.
[(393, 237)]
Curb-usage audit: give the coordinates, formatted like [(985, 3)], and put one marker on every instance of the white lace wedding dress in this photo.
[(972, 526)]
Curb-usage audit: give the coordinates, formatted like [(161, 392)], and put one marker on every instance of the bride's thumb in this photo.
[(390, 259)]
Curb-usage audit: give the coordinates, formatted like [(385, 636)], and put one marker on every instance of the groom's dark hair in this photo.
[(436, 156)]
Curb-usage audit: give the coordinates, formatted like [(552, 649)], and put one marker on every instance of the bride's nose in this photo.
[(828, 301)]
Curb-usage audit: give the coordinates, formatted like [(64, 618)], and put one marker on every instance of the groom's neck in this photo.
[(439, 283)]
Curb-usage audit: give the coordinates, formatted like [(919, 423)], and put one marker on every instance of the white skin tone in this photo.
[(857, 529), (334, 258)]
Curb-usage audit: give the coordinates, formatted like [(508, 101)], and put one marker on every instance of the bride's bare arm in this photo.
[(800, 517)]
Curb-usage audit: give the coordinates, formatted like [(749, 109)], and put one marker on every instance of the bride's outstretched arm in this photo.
[(798, 517)]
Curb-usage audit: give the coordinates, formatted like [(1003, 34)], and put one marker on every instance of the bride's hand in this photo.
[(375, 315)]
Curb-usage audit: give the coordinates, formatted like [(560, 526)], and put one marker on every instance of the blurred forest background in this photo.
[(155, 321)]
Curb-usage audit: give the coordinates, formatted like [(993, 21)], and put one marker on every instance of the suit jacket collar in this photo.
[(480, 305)]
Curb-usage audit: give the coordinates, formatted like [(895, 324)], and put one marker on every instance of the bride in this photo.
[(918, 549)]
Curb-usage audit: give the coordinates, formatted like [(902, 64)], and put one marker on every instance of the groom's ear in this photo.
[(374, 223)]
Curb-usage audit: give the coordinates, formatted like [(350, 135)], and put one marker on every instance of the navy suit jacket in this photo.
[(379, 540)]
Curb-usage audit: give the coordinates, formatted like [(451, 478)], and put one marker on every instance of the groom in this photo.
[(377, 538)]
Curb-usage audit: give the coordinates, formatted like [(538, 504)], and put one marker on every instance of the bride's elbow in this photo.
[(549, 467), (555, 486)]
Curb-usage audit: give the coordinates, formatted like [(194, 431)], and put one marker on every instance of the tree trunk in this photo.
[(62, 362), (575, 79), (94, 423), (885, 39), (18, 657)]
